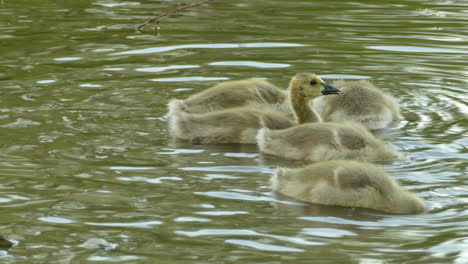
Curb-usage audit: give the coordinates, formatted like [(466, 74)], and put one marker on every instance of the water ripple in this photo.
[(247, 232), (235, 196), (221, 213), (327, 232), (180, 151), (254, 64), (262, 246), (207, 46), (126, 258), (229, 168), (68, 59), (344, 76), (171, 67), (183, 219), (12, 197), (190, 79), (416, 49), (148, 180), (144, 224), (56, 220)]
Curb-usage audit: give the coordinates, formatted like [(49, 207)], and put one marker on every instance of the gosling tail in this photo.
[(277, 178), (381, 152), (263, 137), (175, 106), (177, 118)]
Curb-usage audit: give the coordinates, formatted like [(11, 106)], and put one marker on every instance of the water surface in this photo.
[(85, 153)]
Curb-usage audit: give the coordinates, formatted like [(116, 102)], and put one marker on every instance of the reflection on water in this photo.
[(85, 154), (208, 46), (190, 79), (254, 64), (417, 49), (160, 69)]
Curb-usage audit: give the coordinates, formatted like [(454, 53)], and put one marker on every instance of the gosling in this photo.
[(361, 102), (325, 141), (346, 183), (232, 94), (240, 125)]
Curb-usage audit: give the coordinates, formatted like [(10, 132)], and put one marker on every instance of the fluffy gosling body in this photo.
[(325, 141), (236, 125), (240, 125), (360, 102), (346, 183), (232, 94)]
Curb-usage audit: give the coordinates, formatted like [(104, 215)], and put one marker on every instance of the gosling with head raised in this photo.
[(240, 125), (346, 183), (361, 102)]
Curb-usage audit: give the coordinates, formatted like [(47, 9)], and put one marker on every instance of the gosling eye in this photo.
[(313, 82)]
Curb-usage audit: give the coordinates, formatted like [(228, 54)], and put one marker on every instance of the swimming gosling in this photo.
[(325, 141), (232, 94), (361, 102), (346, 183), (240, 125)]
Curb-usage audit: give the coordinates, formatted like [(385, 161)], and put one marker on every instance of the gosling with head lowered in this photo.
[(326, 141), (230, 94), (240, 124), (346, 183)]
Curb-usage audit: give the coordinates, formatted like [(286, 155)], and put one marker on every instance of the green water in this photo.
[(84, 149)]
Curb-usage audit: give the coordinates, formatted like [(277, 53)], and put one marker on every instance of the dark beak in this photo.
[(329, 89)]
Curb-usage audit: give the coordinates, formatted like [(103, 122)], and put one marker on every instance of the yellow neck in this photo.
[(302, 109)]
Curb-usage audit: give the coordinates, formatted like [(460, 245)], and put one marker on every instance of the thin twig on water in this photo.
[(139, 27)]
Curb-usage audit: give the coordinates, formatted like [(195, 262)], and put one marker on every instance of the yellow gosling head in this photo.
[(310, 86)]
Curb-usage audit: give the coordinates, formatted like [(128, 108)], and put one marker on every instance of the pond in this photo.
[(85, 152)]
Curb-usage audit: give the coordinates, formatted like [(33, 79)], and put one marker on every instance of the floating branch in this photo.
[(139, 27)]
